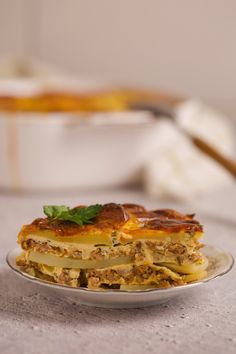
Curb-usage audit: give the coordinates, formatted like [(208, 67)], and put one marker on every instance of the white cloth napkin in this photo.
[(176, 168)]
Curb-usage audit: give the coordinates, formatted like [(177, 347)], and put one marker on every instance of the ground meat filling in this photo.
[(140, 251), (143, 252), (148, 274), (62, 276), (45, 248)]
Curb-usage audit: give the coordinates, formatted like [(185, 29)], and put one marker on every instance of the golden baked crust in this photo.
[(129, 218)]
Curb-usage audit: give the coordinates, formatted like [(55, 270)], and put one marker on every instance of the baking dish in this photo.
[(62, 150)]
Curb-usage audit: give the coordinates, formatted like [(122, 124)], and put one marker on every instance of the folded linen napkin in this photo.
[(176, 168)]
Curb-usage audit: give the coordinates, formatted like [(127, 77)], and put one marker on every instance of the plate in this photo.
[(220, 263)]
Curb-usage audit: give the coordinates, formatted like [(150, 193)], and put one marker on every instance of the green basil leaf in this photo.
[(79, 215), (54, 211)]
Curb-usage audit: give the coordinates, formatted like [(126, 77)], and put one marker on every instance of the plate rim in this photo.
[(113, 292)]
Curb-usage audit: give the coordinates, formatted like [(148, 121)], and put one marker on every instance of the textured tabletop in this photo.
[(204, 321)]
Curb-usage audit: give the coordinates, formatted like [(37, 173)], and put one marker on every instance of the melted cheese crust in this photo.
[(126, 222)]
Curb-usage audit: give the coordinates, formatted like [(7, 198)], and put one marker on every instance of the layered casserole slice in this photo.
[(121, 246)]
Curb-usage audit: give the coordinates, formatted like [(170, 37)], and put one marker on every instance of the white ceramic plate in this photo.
[(220, 262)]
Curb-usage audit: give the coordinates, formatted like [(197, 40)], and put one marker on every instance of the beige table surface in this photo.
[(202, 322)]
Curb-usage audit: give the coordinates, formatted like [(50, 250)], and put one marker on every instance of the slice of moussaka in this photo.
[(121, 246)]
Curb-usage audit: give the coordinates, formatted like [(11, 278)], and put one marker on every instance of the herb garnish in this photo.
[(79, 215)]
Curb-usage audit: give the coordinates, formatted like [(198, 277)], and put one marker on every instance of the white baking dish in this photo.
[(66, 151)]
